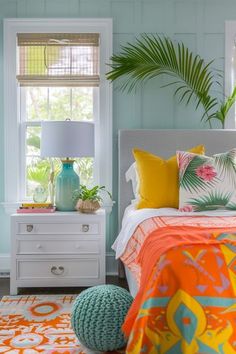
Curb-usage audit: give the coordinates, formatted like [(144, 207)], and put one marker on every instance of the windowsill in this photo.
[(10, 207)]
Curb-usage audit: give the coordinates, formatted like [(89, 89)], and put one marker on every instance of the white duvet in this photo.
[(133, 217)]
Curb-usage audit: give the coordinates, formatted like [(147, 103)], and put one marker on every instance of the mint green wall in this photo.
[(199, 24)]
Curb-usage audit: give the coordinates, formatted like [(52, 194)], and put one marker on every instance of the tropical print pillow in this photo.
[(207, 183)]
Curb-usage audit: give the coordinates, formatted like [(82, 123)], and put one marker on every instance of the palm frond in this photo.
[(153, 56), (212, 201), (227, 165), (225, 107), (39, 174), (34, 141), (231, 206), (190, 181)]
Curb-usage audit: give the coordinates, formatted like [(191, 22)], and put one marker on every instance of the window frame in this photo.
[(230, 75), (12, 135)]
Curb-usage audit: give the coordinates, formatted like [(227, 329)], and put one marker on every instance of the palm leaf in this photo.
[(34, 141), (153, 56), (38, 174), (224, 108), (190, 181), (227, 166), (231, 206), (212, 201)]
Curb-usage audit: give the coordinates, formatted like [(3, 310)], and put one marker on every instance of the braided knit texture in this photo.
[(98, 314)]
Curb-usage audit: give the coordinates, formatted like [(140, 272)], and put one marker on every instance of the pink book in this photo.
[(35, 210)]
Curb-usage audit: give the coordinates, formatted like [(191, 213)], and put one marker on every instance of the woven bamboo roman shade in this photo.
[(58, 59)]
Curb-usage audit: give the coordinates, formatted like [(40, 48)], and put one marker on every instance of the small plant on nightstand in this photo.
[(88, 200)]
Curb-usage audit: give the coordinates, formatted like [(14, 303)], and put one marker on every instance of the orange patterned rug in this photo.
[(38, 324)]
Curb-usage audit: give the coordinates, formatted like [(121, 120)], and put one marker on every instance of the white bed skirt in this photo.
[(133, 286)]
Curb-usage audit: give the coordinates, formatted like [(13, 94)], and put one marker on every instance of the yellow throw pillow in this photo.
[(159, 184)]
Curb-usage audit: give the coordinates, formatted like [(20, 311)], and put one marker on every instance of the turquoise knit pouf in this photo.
[(98, 314)]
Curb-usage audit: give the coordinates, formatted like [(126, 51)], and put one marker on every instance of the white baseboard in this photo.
[(111, 264), (4, 263)]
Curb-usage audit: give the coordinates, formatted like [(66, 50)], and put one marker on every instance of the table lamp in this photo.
[(67, 139)]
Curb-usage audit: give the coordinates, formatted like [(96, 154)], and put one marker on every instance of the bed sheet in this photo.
[(133, 218)]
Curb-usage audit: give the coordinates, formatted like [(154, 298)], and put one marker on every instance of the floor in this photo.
[(5, 287)]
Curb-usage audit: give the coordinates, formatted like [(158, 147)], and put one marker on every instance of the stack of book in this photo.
[(36, 208)]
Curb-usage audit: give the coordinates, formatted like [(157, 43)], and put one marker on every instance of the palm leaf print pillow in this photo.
[(207, 183)]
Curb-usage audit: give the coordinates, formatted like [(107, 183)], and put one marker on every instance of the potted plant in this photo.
[(88, 200)]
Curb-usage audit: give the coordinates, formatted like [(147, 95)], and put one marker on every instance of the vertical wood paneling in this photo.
[(30, 8), (125, 115), (123, 14), (157, 105), (155, 18), (95, 8), (60, 8), (4, 233), (214, 48), (185, 16), (8, 8), (189, 39), (187, 117), (216, 12)]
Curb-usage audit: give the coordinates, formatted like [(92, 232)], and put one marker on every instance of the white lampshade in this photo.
[(67, 139)]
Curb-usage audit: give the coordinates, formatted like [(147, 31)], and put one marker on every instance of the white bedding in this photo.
[(133, 217)]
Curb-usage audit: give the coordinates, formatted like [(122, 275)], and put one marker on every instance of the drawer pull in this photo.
[(38, 246), (57, 270), (85, 228), (29, 228), (77, 246)]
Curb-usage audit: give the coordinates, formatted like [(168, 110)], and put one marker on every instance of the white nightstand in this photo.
[(58, 249)]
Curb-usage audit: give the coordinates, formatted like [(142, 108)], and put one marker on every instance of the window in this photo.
[(51, 103), (54, 70), (58, 74)]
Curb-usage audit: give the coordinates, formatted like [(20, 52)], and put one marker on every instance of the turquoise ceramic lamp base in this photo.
[(66, 183)]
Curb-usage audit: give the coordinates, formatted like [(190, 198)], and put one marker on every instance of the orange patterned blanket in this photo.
[(187, 298)]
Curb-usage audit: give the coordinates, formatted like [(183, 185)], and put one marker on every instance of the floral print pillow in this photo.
[(207, 183)]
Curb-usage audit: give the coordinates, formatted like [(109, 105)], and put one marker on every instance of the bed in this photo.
[(181, 337)]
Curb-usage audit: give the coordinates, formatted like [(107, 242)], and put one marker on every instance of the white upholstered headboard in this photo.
[(165, 143)]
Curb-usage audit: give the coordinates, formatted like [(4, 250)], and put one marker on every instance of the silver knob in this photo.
[(85, 228), (38, 246), (77, 246), (57, 270), (29, 228)]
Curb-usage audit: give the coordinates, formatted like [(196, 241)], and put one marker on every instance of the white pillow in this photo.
[(132, 175)]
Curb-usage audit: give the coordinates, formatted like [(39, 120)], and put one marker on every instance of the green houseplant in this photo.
[(153, 56), (88, 200)]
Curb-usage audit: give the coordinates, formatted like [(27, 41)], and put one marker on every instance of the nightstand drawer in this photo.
[(57, 269), (63, 246), (59, 228)]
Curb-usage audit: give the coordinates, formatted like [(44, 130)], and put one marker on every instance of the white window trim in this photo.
[(230, 37), (103, 26)]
